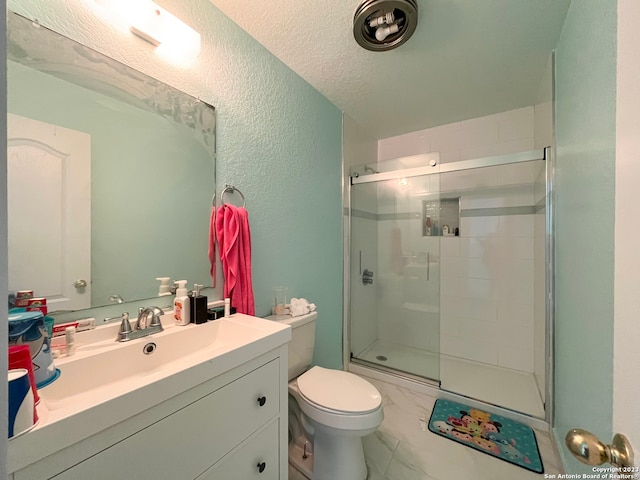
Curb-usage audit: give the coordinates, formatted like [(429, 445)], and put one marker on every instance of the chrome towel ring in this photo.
[(232, 189)]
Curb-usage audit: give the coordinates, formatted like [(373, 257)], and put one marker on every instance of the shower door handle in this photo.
[(428, 265)]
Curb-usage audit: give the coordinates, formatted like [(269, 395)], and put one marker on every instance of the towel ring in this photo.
[(231, 188)]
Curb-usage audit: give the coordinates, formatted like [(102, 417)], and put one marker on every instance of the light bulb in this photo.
[(384, 32), (386, 18)]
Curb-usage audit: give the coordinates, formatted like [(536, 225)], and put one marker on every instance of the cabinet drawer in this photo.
[(256, 459), (186, 443)]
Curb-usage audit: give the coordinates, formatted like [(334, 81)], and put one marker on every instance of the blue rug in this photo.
[(489, 433)]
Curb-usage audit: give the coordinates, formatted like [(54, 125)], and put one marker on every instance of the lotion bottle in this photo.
[(182, 304)]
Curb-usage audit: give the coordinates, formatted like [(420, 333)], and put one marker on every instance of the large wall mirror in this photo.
[(111, 175)]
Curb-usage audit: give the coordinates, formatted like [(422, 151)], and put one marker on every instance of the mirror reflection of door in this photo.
[(49, 210)]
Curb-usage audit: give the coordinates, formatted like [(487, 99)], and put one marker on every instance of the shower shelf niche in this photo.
[(441, 217)]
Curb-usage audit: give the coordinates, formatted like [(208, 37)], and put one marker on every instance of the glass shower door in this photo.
[(396, 222)]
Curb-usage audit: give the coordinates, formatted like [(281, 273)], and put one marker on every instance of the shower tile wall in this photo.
[(487, 274), (498, 134)]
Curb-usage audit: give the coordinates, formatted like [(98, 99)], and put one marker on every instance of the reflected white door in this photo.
[(49, 212)]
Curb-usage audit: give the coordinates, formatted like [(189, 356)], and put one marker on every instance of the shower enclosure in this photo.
[(449, 275)]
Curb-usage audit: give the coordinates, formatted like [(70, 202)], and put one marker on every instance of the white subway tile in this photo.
[(511, 313), (515, 349), (516, 225), (478, 132), (520, 247), (504, 148), (450, 306), (450, 247), (452, 346), (449, 285), (469, 179), (482, 351), (481, 310), (474, 247), (508, 196), (413, 143), (449, 326), (480, 288), (445, 138), (516, 124), (517, 173), (480, 226), (449, 156), (454, 266)]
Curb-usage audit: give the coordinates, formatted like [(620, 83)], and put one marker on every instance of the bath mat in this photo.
[(489, 433)]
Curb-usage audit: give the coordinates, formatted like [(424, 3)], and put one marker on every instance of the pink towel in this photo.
[(234, 243), (212, 246)]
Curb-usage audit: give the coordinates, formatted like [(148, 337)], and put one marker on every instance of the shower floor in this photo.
[(496, 385)]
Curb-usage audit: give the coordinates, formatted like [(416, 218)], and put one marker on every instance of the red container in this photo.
[(37, 304), (23, 297), (20, 357)]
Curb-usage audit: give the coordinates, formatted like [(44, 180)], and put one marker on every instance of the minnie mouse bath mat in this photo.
[(492, 434)]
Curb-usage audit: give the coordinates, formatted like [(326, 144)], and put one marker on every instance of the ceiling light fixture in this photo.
[(381, 25)]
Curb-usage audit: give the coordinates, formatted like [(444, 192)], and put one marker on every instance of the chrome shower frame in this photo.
[(421, 384)]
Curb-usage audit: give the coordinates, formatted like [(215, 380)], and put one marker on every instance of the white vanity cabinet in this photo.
[(231, 427)]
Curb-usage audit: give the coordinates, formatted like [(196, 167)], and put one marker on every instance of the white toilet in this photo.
[(329, 411)]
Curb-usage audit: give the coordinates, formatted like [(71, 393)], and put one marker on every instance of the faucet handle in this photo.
[(155, 318), (125, 327)]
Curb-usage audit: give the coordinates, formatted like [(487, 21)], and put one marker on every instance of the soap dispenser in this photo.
[(164, 288), (181, 304), (198, 306)]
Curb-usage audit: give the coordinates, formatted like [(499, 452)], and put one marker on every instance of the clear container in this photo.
[(279, 300)]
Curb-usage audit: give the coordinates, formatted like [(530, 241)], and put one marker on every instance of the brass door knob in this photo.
[(587, 448)]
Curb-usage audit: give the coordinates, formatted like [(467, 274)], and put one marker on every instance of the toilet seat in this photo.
[(338, 392)]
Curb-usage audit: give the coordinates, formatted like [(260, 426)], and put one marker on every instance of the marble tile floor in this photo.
[(404, 449)]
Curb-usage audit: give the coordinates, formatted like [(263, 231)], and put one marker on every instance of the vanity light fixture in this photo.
[(155, 25)]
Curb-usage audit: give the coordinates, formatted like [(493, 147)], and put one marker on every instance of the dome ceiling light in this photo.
[(381, 25)]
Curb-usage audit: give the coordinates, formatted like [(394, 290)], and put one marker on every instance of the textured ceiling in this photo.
[(467, 58)]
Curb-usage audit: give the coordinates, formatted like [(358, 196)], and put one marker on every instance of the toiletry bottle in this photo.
[(227, 307), (427, 227), (198, 306), (70, 340), (181, 304), (164, 288)]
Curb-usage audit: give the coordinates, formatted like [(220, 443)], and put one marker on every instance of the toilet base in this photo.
[(338, 457), (303, 466)]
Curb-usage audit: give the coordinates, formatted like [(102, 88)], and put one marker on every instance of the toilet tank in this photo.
[(303, 336)]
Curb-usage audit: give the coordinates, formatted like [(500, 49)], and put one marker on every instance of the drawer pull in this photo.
[(261, 467), (262, 401)]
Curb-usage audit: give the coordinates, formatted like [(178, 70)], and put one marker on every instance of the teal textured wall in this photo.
[(278, 141), (585, 167)]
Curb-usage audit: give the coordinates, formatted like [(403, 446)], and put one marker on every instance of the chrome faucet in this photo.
[(148, 323)]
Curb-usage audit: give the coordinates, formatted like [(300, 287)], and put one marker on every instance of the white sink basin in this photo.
[(109, 367), (106, 381)]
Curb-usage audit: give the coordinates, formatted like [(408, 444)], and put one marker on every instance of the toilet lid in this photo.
[(339, 391)]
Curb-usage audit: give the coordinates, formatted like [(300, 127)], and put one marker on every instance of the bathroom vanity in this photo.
[(215, 411)]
